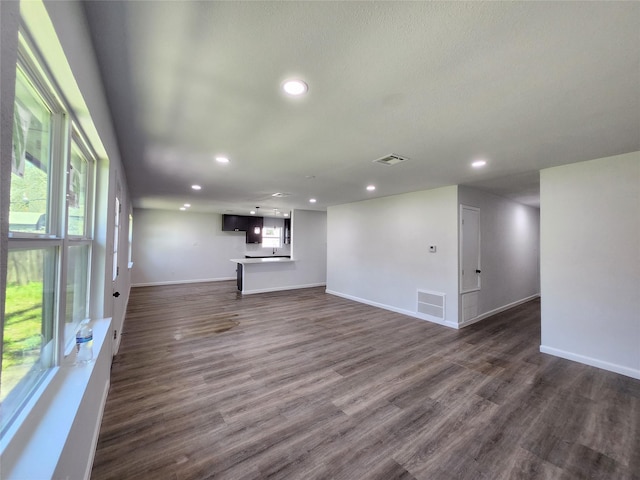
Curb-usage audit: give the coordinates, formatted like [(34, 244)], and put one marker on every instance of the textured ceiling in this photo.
[(524, 85)]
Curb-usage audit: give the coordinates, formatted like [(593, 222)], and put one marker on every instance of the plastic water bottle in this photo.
[(84, 344)]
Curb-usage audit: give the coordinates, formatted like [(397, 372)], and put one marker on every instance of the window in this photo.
[(34, 247), (50, 237), (78, 242), (30, 160), (77, 291), (116, 238), (130, 239), (77, 189), (272, 237), (27, 349)]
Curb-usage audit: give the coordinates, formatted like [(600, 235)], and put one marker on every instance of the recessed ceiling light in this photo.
[(312, 200), (252, 212), (183, 208), (295, 87), (222, 160), (286, 214), (371, 188), (196, 187), (479, 163), (187, 205)]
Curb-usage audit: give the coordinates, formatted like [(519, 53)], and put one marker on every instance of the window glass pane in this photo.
[(77, 289), (271, 237), (27, 349), (77, 193), (116, 239), (130, 239), (30, 160)]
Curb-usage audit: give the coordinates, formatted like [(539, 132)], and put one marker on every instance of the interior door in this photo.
[(469, 249)]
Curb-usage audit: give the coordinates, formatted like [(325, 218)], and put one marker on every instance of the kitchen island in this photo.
[(265, 274)]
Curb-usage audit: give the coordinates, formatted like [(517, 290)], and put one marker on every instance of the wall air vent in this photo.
[(431, 303), (390, 160)]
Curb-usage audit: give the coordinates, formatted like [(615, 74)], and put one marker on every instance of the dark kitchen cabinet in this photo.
[(234, 223), (254, 229), (239, 271), (287, 231)]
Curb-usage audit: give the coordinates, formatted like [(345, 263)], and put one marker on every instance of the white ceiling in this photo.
[(524, 85)]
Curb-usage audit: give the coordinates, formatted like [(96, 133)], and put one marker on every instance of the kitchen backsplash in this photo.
[(257, 249)]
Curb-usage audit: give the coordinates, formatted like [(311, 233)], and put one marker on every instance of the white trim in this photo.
[(96, 430), (497, 310), (471, 290), (593, 362), (279, 289), (460, 244), (42, 432), (179, 282), (14, 429), (115, 346), (402, 311)]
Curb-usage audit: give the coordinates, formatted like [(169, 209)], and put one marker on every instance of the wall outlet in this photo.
[(432, 248)]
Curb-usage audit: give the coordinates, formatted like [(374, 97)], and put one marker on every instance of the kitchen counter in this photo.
[(256, 275), (246, 261)]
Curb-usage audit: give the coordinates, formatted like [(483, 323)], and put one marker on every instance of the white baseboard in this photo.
[(593, 362), (394, 309), (497, 310), (279, 289), (179, 282)]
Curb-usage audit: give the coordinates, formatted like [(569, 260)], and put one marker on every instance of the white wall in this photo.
[(309, 252), (181, 247), (184, 247), (309, 246), (509, 250), (590, 262), (378, 250)]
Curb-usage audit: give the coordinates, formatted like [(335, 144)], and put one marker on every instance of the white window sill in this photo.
[(33, 446)]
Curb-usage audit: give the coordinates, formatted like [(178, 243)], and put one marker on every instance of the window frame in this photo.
[(277, 237), (64, 133), (59, 124), (90, 157), (86, 239)]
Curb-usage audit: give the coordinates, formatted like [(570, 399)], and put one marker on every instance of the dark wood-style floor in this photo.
[(305, 385)]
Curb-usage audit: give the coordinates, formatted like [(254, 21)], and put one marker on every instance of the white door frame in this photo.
[(460, 246)]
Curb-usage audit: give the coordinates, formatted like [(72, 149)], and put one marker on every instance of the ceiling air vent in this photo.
[(280, 195), (390, 160)]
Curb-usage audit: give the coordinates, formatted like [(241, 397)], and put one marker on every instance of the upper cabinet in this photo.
[(234, 223), (287, 231), (254, 229), (242, 223)]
